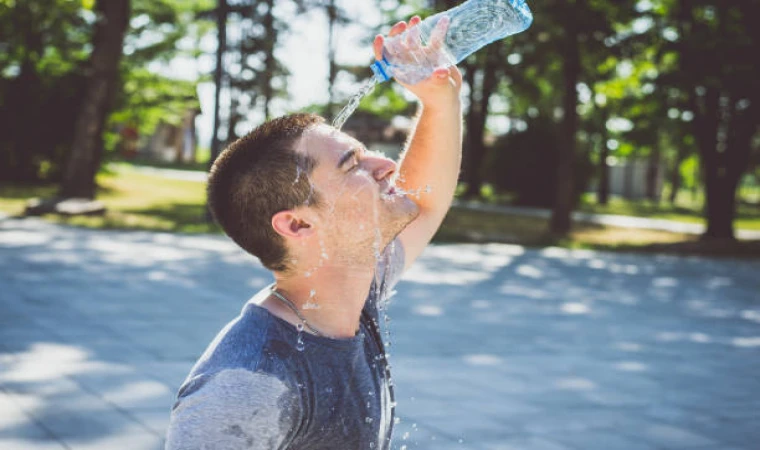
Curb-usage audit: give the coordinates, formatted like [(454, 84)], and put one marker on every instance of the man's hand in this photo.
[(442, 88)]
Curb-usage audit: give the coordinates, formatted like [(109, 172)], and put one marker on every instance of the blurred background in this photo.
[(594, 285), (647, 108)]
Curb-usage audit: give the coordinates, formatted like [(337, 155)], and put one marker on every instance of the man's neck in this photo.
[(330, 299)]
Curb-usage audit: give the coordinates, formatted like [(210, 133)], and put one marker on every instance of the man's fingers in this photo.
[(456, 74), (397, 29), (377, 46), (438, 35)]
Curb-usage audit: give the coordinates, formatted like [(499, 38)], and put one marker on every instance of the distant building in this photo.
[(173, 143), (630, 179)]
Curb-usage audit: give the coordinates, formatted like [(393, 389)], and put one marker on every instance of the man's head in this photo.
[(257, 176), (295, 187)]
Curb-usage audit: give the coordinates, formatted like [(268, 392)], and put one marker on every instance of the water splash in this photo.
[(299, 338), (311, 303), (353, 103)]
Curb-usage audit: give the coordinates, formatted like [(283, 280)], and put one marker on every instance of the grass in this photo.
[(134, 202), (480, 226), (137, 201)]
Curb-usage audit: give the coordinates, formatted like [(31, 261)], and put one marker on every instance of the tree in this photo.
[(43, 47), (715, 72), (87, 147), (221, 46)]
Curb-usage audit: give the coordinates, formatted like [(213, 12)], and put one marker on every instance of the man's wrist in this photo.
[(438, 107)]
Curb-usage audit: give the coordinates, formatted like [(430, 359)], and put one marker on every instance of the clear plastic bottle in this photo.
[(471, 26)]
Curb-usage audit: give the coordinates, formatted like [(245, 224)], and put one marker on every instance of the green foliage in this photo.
[(44, 51)]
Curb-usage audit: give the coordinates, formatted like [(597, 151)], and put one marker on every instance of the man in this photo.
[(303, 365)]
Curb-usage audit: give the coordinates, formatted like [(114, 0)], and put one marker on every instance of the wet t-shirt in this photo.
[(253, 389)]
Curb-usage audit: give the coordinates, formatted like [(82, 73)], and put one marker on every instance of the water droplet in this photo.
[(368, 419), (298, 175), (371, 445), (405, 436), (403, 447), (396, 420), (299, 339)]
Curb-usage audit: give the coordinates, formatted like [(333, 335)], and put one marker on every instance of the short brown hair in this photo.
[(258, 176)]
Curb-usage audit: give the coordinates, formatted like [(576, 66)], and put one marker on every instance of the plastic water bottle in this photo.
[(471, 26)]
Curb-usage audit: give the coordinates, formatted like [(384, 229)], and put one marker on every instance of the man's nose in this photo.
[(383, 167)]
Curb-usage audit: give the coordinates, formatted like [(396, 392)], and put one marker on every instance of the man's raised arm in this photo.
[(433, 154)]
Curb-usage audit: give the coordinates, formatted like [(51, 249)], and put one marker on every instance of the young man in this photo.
[(303, 365)]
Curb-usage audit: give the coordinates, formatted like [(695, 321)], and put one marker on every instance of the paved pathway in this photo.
[(495, 346)]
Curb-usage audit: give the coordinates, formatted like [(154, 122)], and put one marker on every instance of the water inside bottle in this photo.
[(353, 103)]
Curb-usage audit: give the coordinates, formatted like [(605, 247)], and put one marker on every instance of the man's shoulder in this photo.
[(242, 344), (234, 408)]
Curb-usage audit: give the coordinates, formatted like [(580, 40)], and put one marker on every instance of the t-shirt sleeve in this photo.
[(233, 409)]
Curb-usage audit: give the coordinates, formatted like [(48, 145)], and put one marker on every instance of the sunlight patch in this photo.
[(746, 342), (631, 366), (575, 308), (482, 360), (429, 310), (530, 271)]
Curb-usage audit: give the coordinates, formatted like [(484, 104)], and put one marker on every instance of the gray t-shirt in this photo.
[(252, 389)]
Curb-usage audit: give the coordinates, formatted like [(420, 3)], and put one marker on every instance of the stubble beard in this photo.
[(369, 242)]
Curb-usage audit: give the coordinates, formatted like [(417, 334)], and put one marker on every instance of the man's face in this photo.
[(360, 206)]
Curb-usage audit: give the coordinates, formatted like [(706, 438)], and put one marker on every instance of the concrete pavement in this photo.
[(494, 346)]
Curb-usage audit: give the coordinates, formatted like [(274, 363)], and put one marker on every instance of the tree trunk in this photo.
[(653, 171), (603, 194), (270, 62), (87, 146), (476, 122), (721, 204), (560, 220), (222, 10), (221, 29), (725, 141), (675, 175)]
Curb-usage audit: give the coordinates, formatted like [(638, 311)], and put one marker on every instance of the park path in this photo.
[(494, 346)]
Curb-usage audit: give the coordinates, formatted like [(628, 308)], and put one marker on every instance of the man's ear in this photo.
[(291, 225)]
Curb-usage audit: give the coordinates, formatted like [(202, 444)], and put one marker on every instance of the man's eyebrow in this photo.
[(347, 156)]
